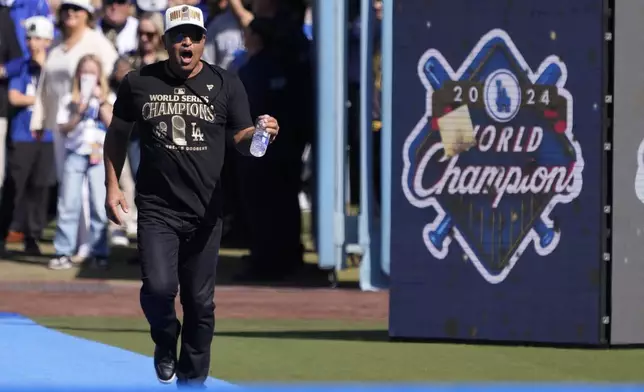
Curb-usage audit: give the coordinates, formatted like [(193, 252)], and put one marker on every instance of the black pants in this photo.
[(30, 174), (179, 254)]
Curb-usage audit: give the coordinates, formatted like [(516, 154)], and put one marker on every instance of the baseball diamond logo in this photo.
[(493, 155)]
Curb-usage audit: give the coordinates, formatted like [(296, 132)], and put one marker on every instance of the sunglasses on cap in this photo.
[(179, 33)]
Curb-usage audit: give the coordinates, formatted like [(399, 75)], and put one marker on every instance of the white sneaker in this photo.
[(84, 251), (119, 238), (60, 263), (78, 259)]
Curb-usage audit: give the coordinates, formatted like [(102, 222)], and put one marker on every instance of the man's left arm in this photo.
[(239, 122), (239, 125)]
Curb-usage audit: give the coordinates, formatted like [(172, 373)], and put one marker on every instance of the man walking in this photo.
[(185, 109)]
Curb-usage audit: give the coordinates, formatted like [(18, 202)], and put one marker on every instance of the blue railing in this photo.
[(336, 232)]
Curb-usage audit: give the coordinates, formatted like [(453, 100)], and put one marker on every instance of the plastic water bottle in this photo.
[(260, 141), (91, 113)]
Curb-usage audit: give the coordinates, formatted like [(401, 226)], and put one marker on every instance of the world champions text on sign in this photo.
[(494, 154)]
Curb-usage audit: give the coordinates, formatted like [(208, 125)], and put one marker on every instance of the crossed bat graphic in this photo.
[(437, 77)]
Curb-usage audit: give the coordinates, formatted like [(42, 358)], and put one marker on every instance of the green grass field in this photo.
[(270, 350), (327, 350)]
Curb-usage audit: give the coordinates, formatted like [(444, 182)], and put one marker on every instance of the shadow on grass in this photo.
[(123, 267), (228, 268), (25, 258), (334, 335)]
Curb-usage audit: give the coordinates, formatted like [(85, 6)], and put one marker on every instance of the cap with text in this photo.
[(39, 27), (183, 15)]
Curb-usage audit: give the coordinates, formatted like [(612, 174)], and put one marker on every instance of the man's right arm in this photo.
[(118, 134)]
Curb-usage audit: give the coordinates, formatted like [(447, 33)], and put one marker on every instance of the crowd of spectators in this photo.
[(61, 62)]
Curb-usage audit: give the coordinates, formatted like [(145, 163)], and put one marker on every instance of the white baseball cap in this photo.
[(39, 27), (84, 4), (183, 15), (152, 5)]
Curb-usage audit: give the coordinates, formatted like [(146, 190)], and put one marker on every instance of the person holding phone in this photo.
[(83, 121)]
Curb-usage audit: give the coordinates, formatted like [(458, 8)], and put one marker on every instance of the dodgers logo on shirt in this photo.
[(174, 119), (495, 155)]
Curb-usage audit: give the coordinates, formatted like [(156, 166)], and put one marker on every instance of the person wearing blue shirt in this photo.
[(20, 11), (31, 156)]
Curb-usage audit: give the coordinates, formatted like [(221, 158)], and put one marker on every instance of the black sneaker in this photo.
[(31, 247), (165, 363)]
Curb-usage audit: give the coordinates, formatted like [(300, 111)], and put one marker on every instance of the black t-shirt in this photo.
[(182, 137)]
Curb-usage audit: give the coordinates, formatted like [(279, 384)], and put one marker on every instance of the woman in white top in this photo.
[(83, 119), (79, 38)]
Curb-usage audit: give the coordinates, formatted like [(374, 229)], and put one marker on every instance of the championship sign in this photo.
[(494, 155)]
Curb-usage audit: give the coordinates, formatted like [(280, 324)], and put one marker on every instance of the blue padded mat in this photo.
[(32, 355), (38, 359)]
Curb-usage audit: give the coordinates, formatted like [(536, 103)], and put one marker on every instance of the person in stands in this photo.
[(83, 120), (31, 154), (76, 21)]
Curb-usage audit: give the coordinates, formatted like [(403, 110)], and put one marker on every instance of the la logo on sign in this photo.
[(494, 155)]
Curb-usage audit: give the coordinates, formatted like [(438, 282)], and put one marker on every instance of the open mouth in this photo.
[(186, 56)]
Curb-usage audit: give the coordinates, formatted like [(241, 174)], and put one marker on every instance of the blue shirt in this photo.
[(240, 57), (25, 82), (20, 11), (308, 30)]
